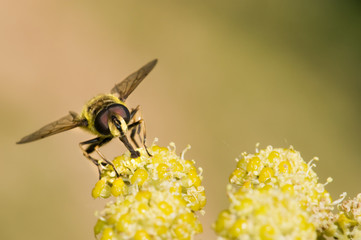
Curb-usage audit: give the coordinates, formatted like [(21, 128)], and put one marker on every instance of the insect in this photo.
[(106, 116)]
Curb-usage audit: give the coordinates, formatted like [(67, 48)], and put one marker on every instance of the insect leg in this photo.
[(124, 139), (134, 111), (107, 161), (133, 125), (94, 144), (87, 155), (144, 136), (136, 127)]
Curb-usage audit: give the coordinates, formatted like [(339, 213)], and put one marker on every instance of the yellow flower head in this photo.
[(348, 222), (264, 215), (157, 196), (282, 169), (275, 194)]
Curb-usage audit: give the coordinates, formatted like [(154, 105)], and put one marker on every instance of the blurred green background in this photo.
[(230, 74)]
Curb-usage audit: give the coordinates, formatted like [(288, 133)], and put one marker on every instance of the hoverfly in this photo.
[(106, 116)]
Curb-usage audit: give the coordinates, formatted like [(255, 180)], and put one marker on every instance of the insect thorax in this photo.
[(97, 109)]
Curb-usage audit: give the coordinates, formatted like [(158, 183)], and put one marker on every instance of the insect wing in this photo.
[(63, 124), (127, 86)]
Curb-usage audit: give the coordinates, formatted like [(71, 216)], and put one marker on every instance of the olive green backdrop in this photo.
[(230, 74)]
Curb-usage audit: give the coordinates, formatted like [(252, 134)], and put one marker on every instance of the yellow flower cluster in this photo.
[(274, 194), (158, 197), (348, 221), (264, 214)]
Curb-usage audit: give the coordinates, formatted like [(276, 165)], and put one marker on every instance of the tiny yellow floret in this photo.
[(265, 174), (143, 195), (288, 188), (118, 187), (139, 176), (142, 235), (254, 164), (194, 178), (267, 232), (158, 149), (285, 167), (165, 207), (238, 228), (123, 222), (187, 218), (247, 184), (176, 189), (162, 169), (236, 175), (107, 234), (273, 155), (100, 189), (244, 204), (143, 208), (99, 226), (181, 233), (176, 166)]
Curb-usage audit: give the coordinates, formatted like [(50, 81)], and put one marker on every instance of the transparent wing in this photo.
[(127, 86), (63, 124)]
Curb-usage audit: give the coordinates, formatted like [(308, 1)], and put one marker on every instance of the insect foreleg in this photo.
[(133, 112), (124, 139), (136, 127), (94, 144)]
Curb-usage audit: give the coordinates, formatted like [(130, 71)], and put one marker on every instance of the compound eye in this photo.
[(101, 120)]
